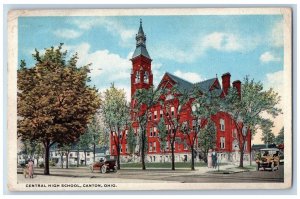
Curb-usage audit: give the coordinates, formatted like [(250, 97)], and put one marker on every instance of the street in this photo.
[(200, 175)]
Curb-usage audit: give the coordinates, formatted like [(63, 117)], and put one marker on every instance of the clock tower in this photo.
[(141, 73)]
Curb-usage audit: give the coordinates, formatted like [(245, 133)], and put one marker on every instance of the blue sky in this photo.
[(193, 47)]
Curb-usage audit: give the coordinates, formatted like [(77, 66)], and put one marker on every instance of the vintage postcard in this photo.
[(149, 99)]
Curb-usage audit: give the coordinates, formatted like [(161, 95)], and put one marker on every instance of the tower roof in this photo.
[(140, 43)]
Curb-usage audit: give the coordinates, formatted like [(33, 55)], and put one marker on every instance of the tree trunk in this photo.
[(94, 152), (37, 161), (62, 160), (84, 158), (242, 158), (77, 157), (173, 156), (67, 160), (193, 160), (46, 158), (118, 157), (143, 153)]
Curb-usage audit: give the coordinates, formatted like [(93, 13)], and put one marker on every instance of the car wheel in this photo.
[(103, 169), (257, 167)]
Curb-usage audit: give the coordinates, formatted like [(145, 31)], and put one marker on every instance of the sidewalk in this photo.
[(225, 169)]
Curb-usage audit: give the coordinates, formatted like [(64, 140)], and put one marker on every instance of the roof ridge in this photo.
[(206, 80), (178, 77)]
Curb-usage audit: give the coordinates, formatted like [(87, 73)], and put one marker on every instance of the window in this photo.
[(155, 115), (234, 133), (154, 146), (151, 132), (154, 131), (150, 116), (161, 113), (126, 149), (222, 124), (88, 153), (137, 77), (167, 145), (146, 77), (222, 142), (172, 110), (150, 147), (121, 150), (245, 146)]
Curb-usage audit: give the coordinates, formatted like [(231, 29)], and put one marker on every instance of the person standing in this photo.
[(209, 158), (30, 168), (214, 159)]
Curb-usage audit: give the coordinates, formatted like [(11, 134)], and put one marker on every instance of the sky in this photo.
[(194, 48)]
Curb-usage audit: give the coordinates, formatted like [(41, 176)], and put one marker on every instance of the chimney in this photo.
[(226, 82), (237, 84)]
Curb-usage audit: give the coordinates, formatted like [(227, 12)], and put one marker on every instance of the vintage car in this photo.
[(104, 166), (268, 158)]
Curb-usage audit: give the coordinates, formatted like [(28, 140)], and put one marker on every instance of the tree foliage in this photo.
[(116, 116), (144, 99), (247, 110), (280, 137), (131, 140), (55, 103), (268, 136)]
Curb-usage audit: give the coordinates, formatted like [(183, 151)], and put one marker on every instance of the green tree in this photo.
[(98, 133), (162, 135), (280, 137), (85, 142), (207, 139), (54, 103), (131, 140), (116, 116), (202, 107), (246, 109), (268, 136), (144, 99), (173, 117)]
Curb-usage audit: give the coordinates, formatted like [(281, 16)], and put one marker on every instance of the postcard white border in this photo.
[(12, 90)]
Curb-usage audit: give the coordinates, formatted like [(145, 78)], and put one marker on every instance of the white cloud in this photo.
[(189, 76), (67, 33), (111, 25), (277, 34), (275, 81), (268, 57), (221, 41), (110, 66)]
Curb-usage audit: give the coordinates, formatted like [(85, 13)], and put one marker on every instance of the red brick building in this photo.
[(142, 77)]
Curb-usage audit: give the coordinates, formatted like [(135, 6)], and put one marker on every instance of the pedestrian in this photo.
[(209, 158), (214, 159), (30, 168)]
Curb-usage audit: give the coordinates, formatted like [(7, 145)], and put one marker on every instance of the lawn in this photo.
[(164, 165)]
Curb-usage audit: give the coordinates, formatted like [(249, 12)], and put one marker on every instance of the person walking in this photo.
[(30, 168), (209, 158), (214, 159)]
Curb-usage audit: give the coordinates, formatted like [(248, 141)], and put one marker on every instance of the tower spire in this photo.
[(140, 43)]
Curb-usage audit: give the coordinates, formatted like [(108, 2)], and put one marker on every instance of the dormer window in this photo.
[(146, 77), (137, 77)]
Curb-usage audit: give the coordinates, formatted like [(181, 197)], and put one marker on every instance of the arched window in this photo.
[(146, 77), (137, 77)]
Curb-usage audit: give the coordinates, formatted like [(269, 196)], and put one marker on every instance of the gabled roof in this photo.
[(140, 50), (204, 86), (181, 83)]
